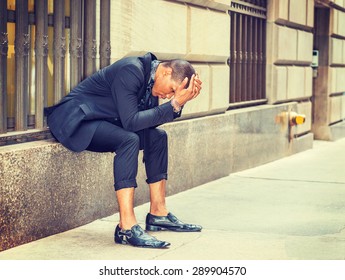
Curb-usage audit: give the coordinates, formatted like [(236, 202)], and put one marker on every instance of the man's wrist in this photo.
[(176, 106)]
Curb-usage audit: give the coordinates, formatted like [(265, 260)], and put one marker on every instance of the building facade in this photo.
[(261, 63)]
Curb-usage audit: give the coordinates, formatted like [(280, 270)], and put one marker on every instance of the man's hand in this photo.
[(182, 95)]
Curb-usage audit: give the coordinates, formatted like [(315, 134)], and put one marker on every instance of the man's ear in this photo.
[(167, 71)]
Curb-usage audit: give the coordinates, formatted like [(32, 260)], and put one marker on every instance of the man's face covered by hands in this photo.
[(164, 86)]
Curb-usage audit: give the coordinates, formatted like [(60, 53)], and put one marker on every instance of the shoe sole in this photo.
[(159, 228), (143, 246), (123, 242)]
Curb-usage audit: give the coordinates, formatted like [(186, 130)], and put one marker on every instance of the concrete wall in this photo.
[(45, 189)]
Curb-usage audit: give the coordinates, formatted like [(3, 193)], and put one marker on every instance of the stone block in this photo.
[(333, 79), (141, 26), (337, 22), (272, 43), (120, 29), (340, 80), (304, 46), (278, 10), (296, 82), (152, 30), (340, 3), (259, 126), (343, 51), (221, 5), (337, 131), (301, 143), (287, 44), (47, 189), (200, 151), (336, 52), (341, 23), (135, 30), (310, 13), (283, 9), (206, 41), (201, 104), (280, 83), (304, 108), (298, 11), (308, 90), (334, 21), (335, 112), (219, 75)]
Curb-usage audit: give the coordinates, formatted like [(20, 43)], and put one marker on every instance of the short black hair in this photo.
[(180, 70)]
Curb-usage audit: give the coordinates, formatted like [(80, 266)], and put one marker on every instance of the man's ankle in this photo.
[(159, 212), (127, 225)]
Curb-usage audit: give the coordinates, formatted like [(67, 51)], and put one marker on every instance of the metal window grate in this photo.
[(247, 51), (50, 46)]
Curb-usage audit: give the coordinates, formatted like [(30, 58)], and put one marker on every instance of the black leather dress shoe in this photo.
[(169, 222), (136, 236)]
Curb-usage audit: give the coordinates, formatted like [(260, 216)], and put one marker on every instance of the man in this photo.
[(116, 110)]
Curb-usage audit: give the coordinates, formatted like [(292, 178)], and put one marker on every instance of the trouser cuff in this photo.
[(157, 178), (125, 184)]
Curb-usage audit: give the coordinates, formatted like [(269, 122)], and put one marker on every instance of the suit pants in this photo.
[(109, 137)]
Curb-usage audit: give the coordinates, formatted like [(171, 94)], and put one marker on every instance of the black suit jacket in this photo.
[(112, 93)]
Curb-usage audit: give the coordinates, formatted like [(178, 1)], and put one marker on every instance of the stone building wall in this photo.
[(328, 83), (198, 31), (289, 55), (337, 62)]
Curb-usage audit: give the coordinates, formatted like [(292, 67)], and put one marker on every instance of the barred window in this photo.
[(46, 48), (247, 52)]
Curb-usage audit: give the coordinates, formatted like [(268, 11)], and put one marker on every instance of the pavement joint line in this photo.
[(288, 180), (341, 230), (168, 251), (164, 252), (176, 248)]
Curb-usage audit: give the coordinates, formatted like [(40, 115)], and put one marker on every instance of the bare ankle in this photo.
[(126, 225), (159, 212)]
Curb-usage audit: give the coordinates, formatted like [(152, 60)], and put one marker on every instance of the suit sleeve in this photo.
[(125, 88)]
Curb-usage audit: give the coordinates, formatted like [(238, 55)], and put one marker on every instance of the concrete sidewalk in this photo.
[(293, 208)]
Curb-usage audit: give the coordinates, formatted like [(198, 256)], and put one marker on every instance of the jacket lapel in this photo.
[(146, 60)]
